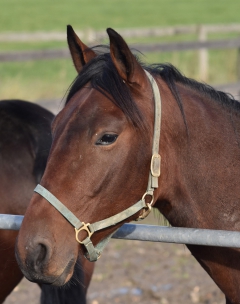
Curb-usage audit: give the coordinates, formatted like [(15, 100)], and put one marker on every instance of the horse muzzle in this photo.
[(35, 264)]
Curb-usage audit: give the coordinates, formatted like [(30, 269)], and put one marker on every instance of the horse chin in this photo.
[(66, 274), (63, 278), (48, 279)]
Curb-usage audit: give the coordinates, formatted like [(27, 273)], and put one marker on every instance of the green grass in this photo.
[(28, 15), (50, 79), (222, 64), (35, 80)]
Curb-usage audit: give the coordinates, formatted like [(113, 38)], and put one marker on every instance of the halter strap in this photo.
[(93, 253), (156, 158)]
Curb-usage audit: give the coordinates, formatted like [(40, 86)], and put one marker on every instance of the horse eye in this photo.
[(107, 139)]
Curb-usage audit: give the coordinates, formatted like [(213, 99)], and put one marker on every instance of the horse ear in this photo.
[(125, 62), (81, 54)]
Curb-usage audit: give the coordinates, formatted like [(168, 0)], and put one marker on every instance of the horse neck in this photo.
[(200, 159)]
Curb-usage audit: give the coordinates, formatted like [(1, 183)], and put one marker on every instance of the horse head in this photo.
[(99, 161)]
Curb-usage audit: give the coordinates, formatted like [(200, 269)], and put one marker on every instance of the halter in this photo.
[(93, 253)]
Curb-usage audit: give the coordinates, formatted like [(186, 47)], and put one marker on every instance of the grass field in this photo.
[(39, 15), (49, 79)]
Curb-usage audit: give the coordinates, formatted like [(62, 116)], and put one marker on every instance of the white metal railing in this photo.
[(151, 233)]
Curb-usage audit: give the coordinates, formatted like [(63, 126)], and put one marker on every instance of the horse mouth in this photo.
[(42, 277), (60, 280)]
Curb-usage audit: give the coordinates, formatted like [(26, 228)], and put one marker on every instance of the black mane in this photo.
[(103, 76), (171, 76)]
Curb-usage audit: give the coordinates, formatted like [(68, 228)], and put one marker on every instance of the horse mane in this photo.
[(103, 76), (172, 75)]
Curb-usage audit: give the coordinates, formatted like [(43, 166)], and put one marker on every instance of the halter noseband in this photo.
[(93, 253)]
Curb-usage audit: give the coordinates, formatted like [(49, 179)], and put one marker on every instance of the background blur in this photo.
[(27, 25), (128, 271)]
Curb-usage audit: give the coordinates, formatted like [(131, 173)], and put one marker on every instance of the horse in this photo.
[(107, 150), (25, 140)]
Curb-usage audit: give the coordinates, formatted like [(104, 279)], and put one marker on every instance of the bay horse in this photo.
[(25, 140), (107, 150)]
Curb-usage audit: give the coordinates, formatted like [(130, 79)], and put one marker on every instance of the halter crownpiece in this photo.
[(93, 253)]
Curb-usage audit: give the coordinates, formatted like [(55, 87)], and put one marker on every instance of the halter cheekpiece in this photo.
[(93, 253)]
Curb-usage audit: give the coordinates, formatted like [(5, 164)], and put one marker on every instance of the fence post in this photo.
[(238, 69), (203, 55)]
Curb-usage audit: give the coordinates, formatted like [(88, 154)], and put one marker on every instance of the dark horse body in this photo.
[(100, 158), (25, 140)]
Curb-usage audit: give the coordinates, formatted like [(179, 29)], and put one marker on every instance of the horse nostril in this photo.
[(41, 254)]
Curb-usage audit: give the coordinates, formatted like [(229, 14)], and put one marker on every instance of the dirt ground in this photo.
[(140, 272)]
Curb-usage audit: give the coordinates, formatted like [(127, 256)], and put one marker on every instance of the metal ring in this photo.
[(150, 194), (86, 228)]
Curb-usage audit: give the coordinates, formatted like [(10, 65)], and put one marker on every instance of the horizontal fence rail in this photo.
[(190, 236), (34, 55), (90, 35), (150, 47), (10, 222), (203, 42)]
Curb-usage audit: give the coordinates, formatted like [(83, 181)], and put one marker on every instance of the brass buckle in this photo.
[(146, 210), (86, 228), (155, 165)]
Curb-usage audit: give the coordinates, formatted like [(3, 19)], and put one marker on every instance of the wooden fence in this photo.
[(92, 36), (150, 47), (202, 44)]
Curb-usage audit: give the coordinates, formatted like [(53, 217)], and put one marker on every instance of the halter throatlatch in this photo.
[(93, 253)]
